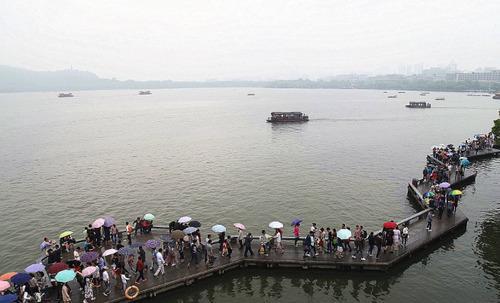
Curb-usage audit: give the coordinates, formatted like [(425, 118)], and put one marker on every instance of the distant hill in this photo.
[(13, 79)]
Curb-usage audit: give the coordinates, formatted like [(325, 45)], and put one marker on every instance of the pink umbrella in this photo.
[(98, 223), (239, 226), (4, 285), (87, 271)]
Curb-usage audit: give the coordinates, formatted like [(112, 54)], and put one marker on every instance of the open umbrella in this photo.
[(184, 219), (276, 224), (456, 192), (465, 162), (65, 276), (218, 228), (429, 194), (295, 222), (4, 285), (136, 245), (444, 185), (344, 234), (390, 225), (177, 234), (166, 238), (88, 257), (196, 224), (109, 221), (239, 226), (8, 298), (149, 217), (153, 243), (98, 223), (87, 271), (189, 230), (126, 251), (65, 234), (7, 276), (33, 268), (109, 252), (57, 267), (20, 278)]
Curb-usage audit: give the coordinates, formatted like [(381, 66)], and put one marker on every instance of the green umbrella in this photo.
[(456, 192), (149, 217), (65, 276), (65, 234)]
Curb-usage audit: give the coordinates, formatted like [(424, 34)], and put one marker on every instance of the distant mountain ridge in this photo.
[(13, 79)]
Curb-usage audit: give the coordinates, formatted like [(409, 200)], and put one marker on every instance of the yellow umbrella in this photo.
[(65, 234), (456, 192)]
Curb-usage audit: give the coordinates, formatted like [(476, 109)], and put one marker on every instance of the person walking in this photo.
[(378, 243), (66, 293), (105, 281), (277, 239), (193, 248), (89, 292), (371, 244), (129, 230), (396, 239), (357, 243), (248, 245), (124, 280), (429, 221), (405, 234), (114, 234), (161, 263), (240, 238), (137, 225), (296, 233), (139, 268), (308, 244)]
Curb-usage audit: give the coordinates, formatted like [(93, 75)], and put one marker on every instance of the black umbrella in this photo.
[(196, 224)]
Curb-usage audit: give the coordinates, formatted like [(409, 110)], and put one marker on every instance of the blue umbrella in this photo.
[(189, 230), (8, 298), (465, 162), (296, 221), (344, 234), (20, 278), (37, 267), (218, 228), (65, 276)]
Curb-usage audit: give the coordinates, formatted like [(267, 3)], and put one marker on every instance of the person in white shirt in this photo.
[(277, 238), (161, 262), (77, 253), (124, 281), (405, 234), (240, 238), (105, 280)]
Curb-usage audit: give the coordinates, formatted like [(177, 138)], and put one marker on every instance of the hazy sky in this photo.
[(240, 39)]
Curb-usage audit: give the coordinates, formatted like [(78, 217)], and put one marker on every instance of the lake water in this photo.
[(209, 153)]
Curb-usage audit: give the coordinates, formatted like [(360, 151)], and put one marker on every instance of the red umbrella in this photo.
[(390, 225), (57, 267)]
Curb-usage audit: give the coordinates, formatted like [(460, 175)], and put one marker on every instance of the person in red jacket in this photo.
[(139, 268)]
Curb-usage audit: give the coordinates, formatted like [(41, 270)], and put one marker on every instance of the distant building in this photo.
[(488, 76)]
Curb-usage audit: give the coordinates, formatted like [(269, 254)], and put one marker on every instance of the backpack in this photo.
[(364, 234)]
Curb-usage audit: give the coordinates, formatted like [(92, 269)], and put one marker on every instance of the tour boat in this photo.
[(418, 105), (280, 117), (145, 92), (65, 95)]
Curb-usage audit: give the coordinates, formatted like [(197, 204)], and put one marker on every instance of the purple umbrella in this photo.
[(33, 268), (20, 278), (109, 221), (89, 256), (153, 243), (126, 251), (296, 221)]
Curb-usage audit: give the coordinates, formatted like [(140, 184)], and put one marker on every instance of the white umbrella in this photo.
[(109, 252), (219, 228), (276, 224), (185, 219), (98, 223)]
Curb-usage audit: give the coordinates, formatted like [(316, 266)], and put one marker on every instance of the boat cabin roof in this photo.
[(286, 113)]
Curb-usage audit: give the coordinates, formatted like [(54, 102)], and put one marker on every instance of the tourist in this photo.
[(389, 240), (105, 281), (124, 280), (264, 244), (161, 263), (89, 291), (313, 228), (193, 248), (277, 238), (371, 243), (339, 250), (129, 230), (321, 241), (210, 253), (139, 268), (66, 293), (137, 225), (222, 238), (114, 234), (429, 221), (329, 240), (396, 239), (378, 243), (229, 248), (405, 234), (130, 262), (308, 243), (248, 245), (441, 206), (77, 253), (358, 238), (296, 233), (240, 238)]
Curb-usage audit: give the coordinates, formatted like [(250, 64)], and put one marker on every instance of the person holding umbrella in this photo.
[(296, 233), (240, 237), (66, 293)]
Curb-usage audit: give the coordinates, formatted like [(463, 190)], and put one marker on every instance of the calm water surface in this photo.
[(208, 153)]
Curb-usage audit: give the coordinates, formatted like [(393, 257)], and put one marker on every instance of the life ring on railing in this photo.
[(135, 292)]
